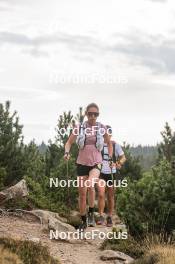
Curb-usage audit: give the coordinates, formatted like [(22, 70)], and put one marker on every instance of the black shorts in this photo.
[(83, 170), (108, 178)]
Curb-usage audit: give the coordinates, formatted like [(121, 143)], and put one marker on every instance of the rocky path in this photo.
[(72, 252)]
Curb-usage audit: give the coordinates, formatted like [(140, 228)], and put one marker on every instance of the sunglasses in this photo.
[(93, 113)]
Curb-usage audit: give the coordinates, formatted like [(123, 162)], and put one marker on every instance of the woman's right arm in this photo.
[(68, 145)]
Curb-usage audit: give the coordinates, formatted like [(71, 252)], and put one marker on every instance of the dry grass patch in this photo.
[(7, 257), (25, 252), (166, 254)]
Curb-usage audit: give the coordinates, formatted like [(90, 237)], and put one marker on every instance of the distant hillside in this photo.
[(147, 155)]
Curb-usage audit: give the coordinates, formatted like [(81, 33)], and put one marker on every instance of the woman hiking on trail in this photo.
[(90, 139), (106, 178)]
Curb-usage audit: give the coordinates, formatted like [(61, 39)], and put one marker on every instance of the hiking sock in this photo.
[(83, 218), (91, 209)]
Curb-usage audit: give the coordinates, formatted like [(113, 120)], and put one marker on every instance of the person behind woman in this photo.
[(106, 179), (90, 141)]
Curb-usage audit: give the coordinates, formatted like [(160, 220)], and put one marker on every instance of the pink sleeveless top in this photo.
[(90, 155)]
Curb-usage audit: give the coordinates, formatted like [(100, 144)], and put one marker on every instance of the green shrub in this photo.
[(148, 205)]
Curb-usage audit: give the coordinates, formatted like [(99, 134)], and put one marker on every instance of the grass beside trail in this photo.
[(151, 250), (158, 254), (7, 257), (24, 252)]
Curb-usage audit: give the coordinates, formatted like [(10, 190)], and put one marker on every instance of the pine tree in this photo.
[(11, 145), (132, 168), (165, 147), (55, 151), (56, 166), (65, 122)]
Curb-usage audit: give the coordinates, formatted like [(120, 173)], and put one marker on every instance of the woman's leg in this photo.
[(101, 185), (92, 179), (82, 189), (110, 198)]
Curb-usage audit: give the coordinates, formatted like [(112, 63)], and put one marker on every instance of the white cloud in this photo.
[(134, 39)]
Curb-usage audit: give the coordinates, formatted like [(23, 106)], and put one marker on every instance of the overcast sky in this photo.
[(58, 55)]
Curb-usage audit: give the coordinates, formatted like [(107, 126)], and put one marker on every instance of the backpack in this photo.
[(81, 138), (114, 159)]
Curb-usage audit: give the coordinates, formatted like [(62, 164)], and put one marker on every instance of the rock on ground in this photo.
[(116, 255), (18, 190)]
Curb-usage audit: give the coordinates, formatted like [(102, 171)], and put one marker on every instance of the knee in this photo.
[(91, 189), (82, 195)]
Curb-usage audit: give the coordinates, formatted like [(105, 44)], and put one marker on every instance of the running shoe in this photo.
[(82, 227), (109, 221), (91, 219), (101, 220)]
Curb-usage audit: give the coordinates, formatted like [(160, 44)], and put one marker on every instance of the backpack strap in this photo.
[(96, 133), (114, 159), (102, 152), (82, 127), (104, 156)]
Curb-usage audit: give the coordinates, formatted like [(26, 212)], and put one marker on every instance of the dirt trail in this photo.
[(84, 251)]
